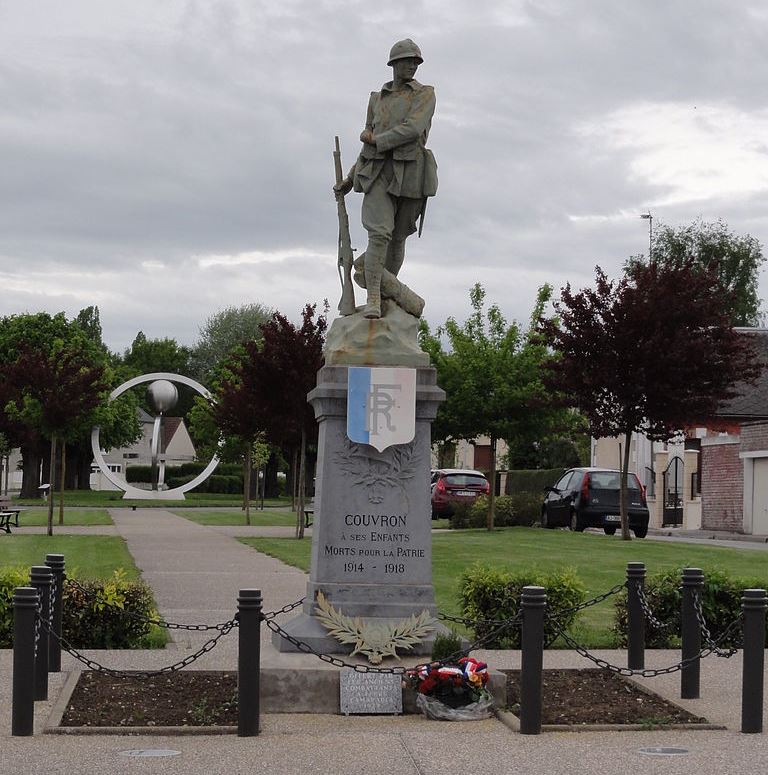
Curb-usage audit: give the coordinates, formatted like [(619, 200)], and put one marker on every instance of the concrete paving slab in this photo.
[(166, 547)]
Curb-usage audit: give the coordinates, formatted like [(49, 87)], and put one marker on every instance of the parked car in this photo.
[(455, 485), (589, 497)]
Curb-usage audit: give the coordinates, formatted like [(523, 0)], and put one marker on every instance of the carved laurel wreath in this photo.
[(378, 471), (374, 641)]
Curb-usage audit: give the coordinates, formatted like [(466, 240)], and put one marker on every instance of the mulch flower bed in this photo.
[(190, 698), (202, 698), (597, 697)]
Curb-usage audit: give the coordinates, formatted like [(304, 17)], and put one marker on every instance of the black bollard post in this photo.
[(56, 563), (753, 605), (248, 662), (635, 616), (40, 578), (533, 603), (690, 632), (23, 702)]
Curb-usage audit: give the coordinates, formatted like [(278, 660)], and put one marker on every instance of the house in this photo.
[(176, 443), (715, 476)]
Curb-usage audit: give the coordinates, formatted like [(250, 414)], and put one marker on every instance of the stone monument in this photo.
[(370, 589)]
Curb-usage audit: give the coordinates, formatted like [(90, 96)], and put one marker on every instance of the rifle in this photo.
[(347, 301)]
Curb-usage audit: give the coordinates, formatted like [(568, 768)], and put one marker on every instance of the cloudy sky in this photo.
[(164, 159)]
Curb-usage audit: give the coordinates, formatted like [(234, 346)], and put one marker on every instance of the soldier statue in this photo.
[(395, 172)]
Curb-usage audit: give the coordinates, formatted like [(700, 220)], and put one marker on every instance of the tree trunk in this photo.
[(302, 484), (30, 471), (247, 483), (492, 493), (294, 477), (625, 536), (62, 474), (271, 487), (52, 468)]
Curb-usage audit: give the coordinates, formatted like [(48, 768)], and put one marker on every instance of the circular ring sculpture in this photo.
[(177, 493)]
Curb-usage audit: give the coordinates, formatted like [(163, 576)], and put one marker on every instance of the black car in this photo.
[(589, 497)]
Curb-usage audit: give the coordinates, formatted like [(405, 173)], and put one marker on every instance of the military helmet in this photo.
[(404, 49)]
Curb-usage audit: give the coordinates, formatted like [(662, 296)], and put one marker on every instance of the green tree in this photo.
[(652, 352), (736, 260), (223, 332), (492, 376)]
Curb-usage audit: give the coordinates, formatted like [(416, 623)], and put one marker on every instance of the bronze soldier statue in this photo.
[(395, 172)]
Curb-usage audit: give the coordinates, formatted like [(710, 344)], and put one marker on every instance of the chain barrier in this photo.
[(628, 672), (305, 648), (38, 620), (711, 643), (553, 614), (174, 668), (648, 613), (52, 593), (587, 604), (284, 610)]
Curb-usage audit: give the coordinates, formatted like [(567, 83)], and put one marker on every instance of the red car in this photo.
[(455, 485)]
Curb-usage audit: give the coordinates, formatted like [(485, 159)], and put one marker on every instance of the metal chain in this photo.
[(152, 620), (174, 668), (305, 648), (645, 605), (554, 614), (711, 643), (284, 610), (38, 620), (52, 593), (625, 671), (594, 601)]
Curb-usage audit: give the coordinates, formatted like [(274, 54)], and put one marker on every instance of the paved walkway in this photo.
[(195, 573)]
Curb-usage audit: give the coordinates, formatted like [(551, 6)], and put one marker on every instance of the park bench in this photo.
[(309, 513), (8, 515)]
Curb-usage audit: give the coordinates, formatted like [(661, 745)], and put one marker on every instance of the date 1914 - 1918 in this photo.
[(359, 567)]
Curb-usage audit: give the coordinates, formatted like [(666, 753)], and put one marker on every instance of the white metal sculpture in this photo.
[(163, 396)]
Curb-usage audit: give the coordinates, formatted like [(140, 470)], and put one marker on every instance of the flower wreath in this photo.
[(454, 685)]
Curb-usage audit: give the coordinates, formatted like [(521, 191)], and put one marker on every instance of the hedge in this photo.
[(533, 480), (510, 510), (489, 593), (109, 614), (721, 604), (186, 471)]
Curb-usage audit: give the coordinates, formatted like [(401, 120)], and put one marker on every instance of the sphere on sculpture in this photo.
[(163, 395)]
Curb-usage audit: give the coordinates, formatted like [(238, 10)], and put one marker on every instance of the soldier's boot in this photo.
[(390, 287), (401, 294), (395, 255), (374, 264)]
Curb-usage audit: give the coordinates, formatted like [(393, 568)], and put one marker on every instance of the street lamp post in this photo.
[(648, 217)]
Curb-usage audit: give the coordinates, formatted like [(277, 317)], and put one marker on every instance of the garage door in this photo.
[(760, 497)]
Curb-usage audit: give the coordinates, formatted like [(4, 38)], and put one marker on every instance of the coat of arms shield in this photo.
[(381, 406)]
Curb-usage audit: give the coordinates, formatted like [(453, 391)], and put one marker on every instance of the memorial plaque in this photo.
[(370, 692)]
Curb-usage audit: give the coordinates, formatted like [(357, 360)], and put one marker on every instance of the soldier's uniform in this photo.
[(396, 175)]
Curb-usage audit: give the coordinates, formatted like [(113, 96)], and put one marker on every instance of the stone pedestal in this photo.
[(372, 532)]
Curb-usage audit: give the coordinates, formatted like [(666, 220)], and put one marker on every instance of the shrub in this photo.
[(489, 593), (107, 614), (10, 578), (510, 510), (447, 645), (721, 604), (533, 480)]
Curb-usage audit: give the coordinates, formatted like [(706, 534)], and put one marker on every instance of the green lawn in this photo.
[(113, 498), (237, 517), (31, 517), (85, 556), (262, 518), (599, 561)]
